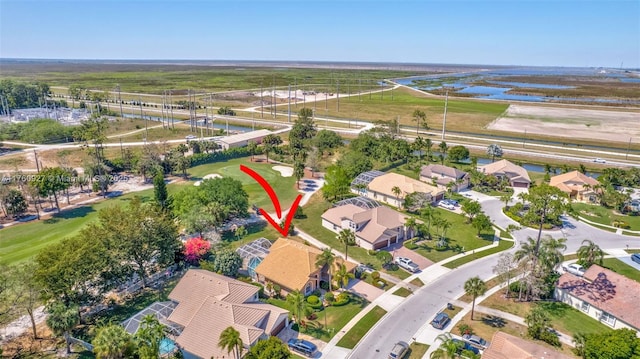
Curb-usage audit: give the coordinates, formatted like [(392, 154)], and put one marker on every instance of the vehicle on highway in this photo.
[(475, 340), (636, 257), (399, 350), (574, 268), (446, 205), (465, 346), (599, 160), (191, 137), (407, 264), (302, 346), (441, 320)]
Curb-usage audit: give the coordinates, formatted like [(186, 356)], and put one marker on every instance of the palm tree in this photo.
[(112, 342), (419, 117), (252, 147), (396, 191), (475, 287), (231, 341), (590, 253), (526, 255), (61, 320), (443, 148), (347, 237), (411, 225), (448, 349), (418, 145), (326, 258), (343, 275), (444, 226), (428, 145), (428, 215), (550, 254), (297, 302), (149, 336)]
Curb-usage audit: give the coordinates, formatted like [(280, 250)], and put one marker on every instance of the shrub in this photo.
[(465, 329), (381, 283), (312, 299), (550, 337), (324, 285), (329, 297), (312, 316), (342, 299), (371, 252), (363, 275), (410, 245), (514, 287), (375, 275)]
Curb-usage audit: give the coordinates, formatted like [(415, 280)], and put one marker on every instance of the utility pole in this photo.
[(289, 105), (35, 154), (628, 147), (121, 150), (173, 120), (261, 101), (360, 90), (381, 90), (338, 94), (274, 96), (444, 117), (120, 101), (525, 138), (164, 94)]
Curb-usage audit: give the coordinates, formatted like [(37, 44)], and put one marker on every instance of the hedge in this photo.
[(203, 158), (341, 300)]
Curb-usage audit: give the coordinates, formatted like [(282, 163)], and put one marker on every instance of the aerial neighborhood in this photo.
[(263, 209)]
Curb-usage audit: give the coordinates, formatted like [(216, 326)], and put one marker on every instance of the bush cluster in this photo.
[(342, 299)]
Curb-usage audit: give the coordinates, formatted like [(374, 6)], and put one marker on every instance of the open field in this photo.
[(567, 122), (150, 78), (502, 245), (353, 336), (21, 242), (602, 215)]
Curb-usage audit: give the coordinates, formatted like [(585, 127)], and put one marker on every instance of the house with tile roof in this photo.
[(503, 169), (208, 303), (577, 186), (443, 175), (506, 346), (604, 295), (292, 265), (374, 228), (381, 189)]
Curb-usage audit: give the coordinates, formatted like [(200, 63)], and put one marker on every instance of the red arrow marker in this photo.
[(276, 203)]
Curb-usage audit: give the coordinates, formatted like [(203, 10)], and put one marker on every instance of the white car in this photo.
[(407, 264), (574, 268), (599, 160), (446, 205), (191, 137)]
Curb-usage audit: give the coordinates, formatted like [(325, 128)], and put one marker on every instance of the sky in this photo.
[(579, 33)]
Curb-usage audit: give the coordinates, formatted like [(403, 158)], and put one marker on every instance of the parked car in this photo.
[(574, 268), (599, 160), (446, 205), (465, 346), (475, 340), (441, 320), (636, 257), (399, 350), (407, 264), (302, 346)]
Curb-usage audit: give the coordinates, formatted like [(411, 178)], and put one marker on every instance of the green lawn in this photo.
[(336, 317), (353, 336), (502, 245), (604, 215), (403, 292), (622, 268), (417, 282), (417, 350), (21, 242)]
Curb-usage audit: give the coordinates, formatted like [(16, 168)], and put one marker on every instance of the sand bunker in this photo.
[(209, 176), (284, 171), (570, 122)]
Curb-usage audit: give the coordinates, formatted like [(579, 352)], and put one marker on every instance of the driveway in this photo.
[(398, 250), (364, 289), (288, 333)]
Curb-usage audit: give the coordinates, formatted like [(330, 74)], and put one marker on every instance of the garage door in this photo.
[(520, 184), (278, 328), (379, 245), (393, 239)]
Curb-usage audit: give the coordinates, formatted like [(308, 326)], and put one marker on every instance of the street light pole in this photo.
[(444, 117)]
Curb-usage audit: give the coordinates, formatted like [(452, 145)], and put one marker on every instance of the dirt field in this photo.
[(616, 126)]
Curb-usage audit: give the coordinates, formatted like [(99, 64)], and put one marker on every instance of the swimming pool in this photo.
[(167, 346)]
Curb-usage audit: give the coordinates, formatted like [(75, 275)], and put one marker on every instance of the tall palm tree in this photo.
[(411, 225), (526, 256), (550, 255), (418, 145), (428, 145), (327, 258), (297, 303), (590, 253), (112, 342), (396, 191), (419, 117), (343, 275), (347, 237), (448, 349), (427, 213), (444, 226), (230, 341), (475, 287), (149, 336), (443, 148), (61, 320)]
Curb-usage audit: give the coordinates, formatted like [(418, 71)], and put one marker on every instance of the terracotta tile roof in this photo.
[(505, 346), (375, 221), (506, 168), (198, 284), (208, 303), (607, 291), (385, 183), (290, 263), (572, 181), (438, 171)]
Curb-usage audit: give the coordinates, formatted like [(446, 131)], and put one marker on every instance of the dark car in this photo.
[(302, 346), (440, 321), (399, 350), (465, 346), (636, 257)]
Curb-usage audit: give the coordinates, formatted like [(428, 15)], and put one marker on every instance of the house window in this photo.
[(585, 307), (307, 289), (335, 228), (608, 319)]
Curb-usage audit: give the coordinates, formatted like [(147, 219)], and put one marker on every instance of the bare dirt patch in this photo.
[(599, 125)]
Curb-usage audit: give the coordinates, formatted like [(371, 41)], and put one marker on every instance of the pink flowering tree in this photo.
[(195, 249)]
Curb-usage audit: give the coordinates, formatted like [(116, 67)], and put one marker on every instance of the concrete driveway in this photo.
[(288, 333), (398, 250), (364, 289)]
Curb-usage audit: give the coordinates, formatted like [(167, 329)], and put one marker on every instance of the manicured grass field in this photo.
[(604, 215), (622, 268), (403, 292), (337, 317), (21, 242), (417, 350), (353, 336), (502, 245)]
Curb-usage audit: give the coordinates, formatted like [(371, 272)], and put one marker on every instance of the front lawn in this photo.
[(336, 317), (602, 215), (622, 268), (417, 350), (353, 336), (502, 245), (403, 292)]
